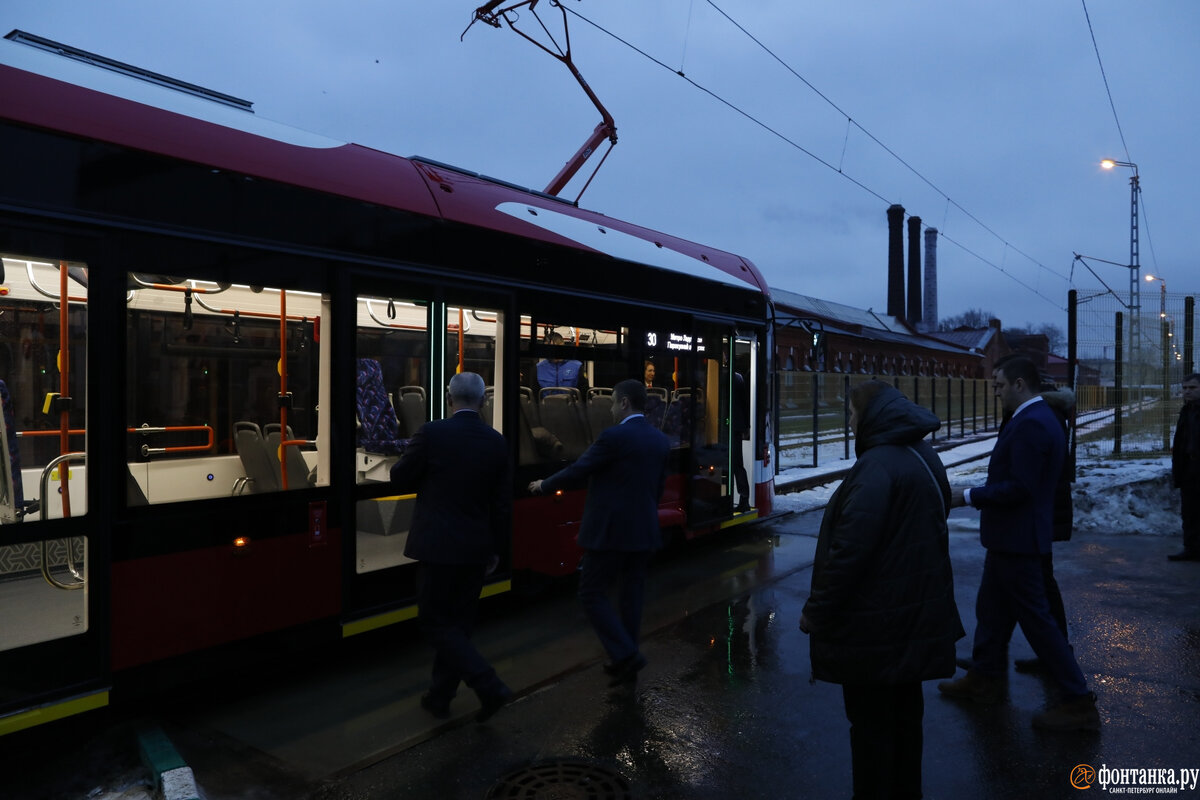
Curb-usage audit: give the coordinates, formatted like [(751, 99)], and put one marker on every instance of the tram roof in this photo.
[(47, 85)]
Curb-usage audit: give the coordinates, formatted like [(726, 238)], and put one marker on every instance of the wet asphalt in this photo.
[(725, 709)]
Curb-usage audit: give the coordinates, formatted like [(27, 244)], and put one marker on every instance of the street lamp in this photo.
[(1135, 289), (1162, 306)]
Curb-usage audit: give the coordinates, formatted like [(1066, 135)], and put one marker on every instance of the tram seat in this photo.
[(599, 409), (298, 469), (487, 412), (677, 421), (256, 461), (529, 407), (12, 494), (134, 496), (411, 402), (379, 429), (562, 415), (656, 405)]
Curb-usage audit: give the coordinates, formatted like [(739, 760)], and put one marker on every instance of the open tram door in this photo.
[(53, 591), (410, 339), (712, 415)]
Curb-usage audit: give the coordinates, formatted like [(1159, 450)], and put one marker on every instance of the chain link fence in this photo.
[(1128, 370), (814, 412)]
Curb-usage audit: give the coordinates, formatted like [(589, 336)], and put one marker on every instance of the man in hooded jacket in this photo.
[(881, 611)]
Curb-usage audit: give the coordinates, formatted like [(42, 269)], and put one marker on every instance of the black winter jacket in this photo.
[(881, 609)]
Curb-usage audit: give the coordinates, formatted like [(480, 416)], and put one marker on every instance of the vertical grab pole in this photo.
[(460, 343), (64, 385), (283, 389)]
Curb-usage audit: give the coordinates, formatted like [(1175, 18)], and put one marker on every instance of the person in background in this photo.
[(1016, 528), (459, 469), (881, 611), (648, 374), (559, 371), (625, 471), (1185, 468)]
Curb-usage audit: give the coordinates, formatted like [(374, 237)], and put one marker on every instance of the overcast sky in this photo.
[(1000, 106)]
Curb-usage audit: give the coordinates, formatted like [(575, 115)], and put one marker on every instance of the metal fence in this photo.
[(814, 412), (1128, 370)]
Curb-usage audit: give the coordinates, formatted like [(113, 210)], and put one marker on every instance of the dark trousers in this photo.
[(1013, 592), (885, 739), (617, 628), (447, 599), (740, 479), (1054, 596), (1189, 510)]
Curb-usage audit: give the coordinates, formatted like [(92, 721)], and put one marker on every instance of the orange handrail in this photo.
[(64, 373)]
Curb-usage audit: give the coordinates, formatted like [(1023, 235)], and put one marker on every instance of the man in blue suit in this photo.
[(625, 471), (459, 469), (1016, 527)]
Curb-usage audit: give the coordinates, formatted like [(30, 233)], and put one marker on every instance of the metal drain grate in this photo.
[(561, 779)]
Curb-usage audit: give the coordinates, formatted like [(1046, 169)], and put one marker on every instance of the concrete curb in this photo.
[(172, 776)]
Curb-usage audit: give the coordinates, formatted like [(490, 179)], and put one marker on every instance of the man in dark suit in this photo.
[(1016, 528), (459, 468), (1185, 468), (625, 470)]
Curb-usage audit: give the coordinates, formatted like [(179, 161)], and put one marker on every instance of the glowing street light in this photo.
[(1135, 269)]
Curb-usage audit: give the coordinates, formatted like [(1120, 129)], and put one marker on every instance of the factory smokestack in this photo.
[(914, 271), (895, 284), (931, 309)]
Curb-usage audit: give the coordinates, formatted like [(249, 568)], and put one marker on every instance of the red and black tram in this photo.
[(217, 332)]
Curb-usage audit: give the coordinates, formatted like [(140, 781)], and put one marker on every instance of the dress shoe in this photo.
[(626, 670), (1076, 714), (490, 703), (438, 708), (1184, 555), (742, 507), (975, 687), (1029, 665)]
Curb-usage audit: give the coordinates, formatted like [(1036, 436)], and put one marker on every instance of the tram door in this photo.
[(714, 405), (409, 346), (51, 641)]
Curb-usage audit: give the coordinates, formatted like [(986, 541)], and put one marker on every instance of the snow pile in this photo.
[(1110, 496), (1113, 496)]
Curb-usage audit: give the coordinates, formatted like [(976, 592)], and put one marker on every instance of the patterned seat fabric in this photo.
[(380, 430)]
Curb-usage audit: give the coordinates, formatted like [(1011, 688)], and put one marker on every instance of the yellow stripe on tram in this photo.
[(52, 711), (409, 612)]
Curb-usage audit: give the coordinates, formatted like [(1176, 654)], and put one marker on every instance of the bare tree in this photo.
[(971, 318)]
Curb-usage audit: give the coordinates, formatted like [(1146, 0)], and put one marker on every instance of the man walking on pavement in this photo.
[(1016, 528), (1185, 468), (625, 470), (459, 469)]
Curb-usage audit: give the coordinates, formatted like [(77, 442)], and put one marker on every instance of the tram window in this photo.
[(392, 402), (221, 399), (567, 375), (43, 388), (43, 471)]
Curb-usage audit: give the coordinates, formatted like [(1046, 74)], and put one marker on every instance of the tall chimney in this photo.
[(931, 309), (895, 284), (914, 270)]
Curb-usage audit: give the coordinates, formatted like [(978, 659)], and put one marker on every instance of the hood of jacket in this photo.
[(891, 418)]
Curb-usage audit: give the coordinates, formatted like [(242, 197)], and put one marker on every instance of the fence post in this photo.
[(962, 409), (975, 406), (1118, 381), (1166, 386), (1072, 367), (846, 415), (816, 390), (1189, 323)]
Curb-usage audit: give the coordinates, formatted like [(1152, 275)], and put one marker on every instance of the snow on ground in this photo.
[(1110, 495)]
